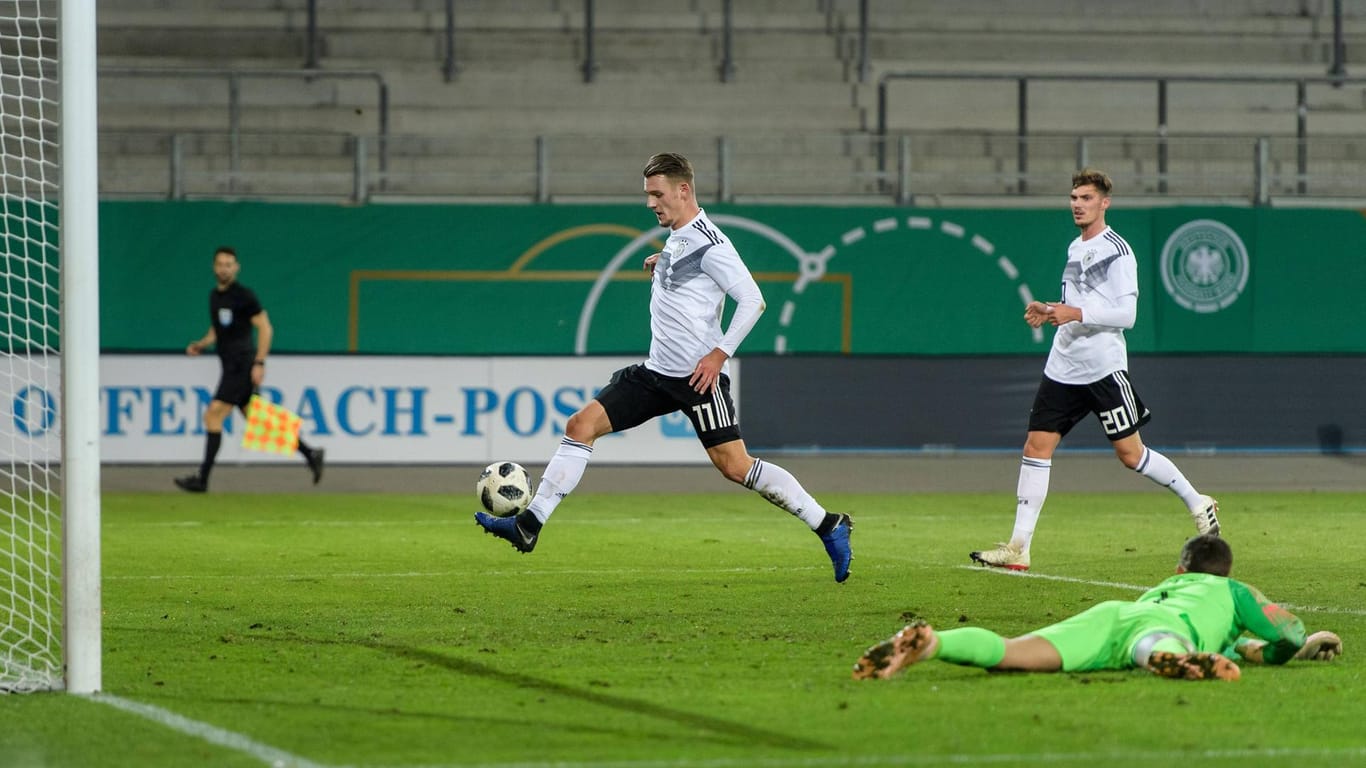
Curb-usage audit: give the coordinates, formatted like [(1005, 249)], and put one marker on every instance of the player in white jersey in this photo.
[(1087, 372), (686, 370)]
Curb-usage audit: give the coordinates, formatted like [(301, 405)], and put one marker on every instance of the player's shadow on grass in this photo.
[(733, 731), (725, 731)]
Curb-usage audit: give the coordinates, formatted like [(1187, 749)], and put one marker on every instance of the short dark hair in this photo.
[(1095, 177), (671, 165), (228, 249), (1207, 553)]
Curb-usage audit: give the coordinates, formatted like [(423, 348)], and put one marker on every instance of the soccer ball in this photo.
[(504, 488)]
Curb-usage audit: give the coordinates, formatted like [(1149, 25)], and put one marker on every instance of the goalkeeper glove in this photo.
[(1320, 646)]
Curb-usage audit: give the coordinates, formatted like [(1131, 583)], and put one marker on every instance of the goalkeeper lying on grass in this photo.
[(1190, 626)]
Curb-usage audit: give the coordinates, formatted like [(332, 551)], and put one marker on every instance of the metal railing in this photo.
[(1161, 115), (588, 67), (234, 79), (450, 68), (1338, 67), (924, 168)]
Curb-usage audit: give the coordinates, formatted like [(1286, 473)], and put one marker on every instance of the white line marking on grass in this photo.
[(461, 519), (837, 761), (1138, 588), (276, 758), (1323, 609), (549, 572), (554, 572), (1048, 577), (301, 523)]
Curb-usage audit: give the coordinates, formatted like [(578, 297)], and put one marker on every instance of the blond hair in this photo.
[(672, 166)]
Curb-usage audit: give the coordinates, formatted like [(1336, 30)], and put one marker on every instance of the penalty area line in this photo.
[(276, 758), (1140, 588), (1050, 577)]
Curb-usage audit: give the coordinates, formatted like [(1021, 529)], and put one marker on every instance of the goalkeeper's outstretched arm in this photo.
[(1320, 646)]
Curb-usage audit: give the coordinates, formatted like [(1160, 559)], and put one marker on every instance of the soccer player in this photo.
[(1087, 372), (233, 312), (686, 371), (1191, 626)]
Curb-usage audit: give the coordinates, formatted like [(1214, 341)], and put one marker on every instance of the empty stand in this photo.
[(527, 104)]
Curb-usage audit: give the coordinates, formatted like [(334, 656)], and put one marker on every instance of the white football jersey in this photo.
[(696, 270), (1099, 273)]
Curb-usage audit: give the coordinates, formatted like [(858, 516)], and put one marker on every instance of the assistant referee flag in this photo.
[(270, 428)]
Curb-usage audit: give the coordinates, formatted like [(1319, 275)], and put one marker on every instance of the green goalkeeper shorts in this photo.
[(1104, 636)]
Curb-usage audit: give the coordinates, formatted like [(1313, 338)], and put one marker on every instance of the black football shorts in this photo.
[(637, 394), (1059, 407)]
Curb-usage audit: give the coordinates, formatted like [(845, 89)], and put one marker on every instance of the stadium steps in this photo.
[(794, 74)]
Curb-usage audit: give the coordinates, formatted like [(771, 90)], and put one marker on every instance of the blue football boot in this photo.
[(837, 546), (508, 529)]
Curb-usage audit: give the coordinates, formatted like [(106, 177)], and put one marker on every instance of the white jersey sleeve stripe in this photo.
[(707, 232), (1121, 245)]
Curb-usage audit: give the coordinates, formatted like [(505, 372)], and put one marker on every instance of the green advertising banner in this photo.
[(567, 279), (1199, 268), (1310, 268)]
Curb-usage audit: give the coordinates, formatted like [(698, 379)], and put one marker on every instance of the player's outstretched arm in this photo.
[(1320, 646), (1282, 630)]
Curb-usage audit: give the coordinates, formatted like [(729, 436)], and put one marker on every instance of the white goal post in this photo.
[(50, 594)]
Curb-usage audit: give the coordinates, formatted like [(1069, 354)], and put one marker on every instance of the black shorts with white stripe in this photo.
[(1059, 407), (637, 394)]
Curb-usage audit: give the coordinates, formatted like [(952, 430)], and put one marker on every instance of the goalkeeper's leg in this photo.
[(1192, 666)]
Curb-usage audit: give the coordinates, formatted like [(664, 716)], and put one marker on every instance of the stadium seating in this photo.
[(797, 119)]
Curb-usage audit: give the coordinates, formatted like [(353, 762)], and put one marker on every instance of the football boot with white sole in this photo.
[(1206, 516), (1006, 556)]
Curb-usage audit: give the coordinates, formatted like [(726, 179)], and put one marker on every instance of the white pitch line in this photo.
[(1138, 588), (462, 517), (862, 567), (276, 758), (548, 572), (1323, 609), (1049, 577), (293, 523)]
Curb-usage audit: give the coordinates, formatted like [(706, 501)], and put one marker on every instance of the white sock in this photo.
[(782, 489), (1030, 492), (562, 476), (1161, 470)]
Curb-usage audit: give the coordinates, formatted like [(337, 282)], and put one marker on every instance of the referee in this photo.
[(233, 311)]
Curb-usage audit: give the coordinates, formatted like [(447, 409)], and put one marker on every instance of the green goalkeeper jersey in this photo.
[(1219, 610)]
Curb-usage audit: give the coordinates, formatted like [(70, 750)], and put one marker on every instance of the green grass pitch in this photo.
[(684, 631)]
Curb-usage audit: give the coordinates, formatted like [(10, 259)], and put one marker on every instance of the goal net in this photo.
[(48, 623)]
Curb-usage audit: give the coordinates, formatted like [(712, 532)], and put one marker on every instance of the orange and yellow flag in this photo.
[(270, 428)]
